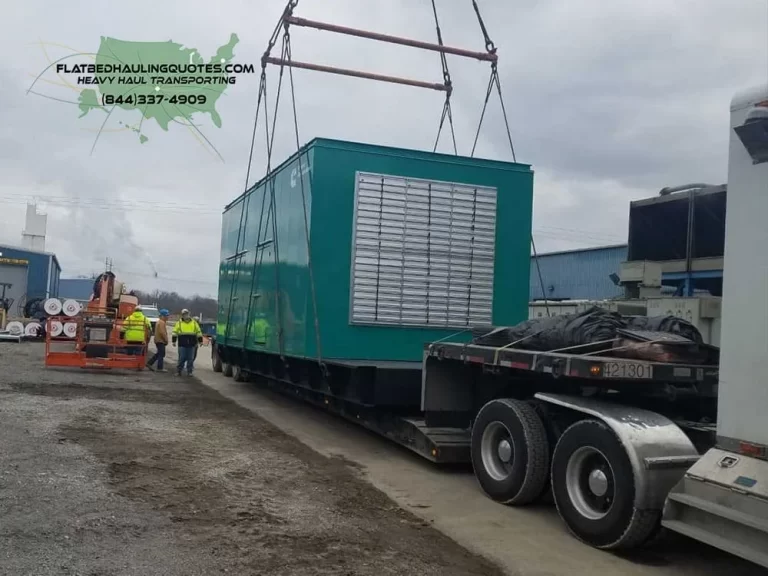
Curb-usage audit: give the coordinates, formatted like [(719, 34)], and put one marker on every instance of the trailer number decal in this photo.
[(629, 370)]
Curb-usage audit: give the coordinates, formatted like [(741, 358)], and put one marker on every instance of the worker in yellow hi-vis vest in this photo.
[(260, 329), (189, 335), (137, 331)]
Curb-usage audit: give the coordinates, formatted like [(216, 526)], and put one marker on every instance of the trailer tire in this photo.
[(226, 369), (510, 452), (216, 360), (238, 374), (593, 486)]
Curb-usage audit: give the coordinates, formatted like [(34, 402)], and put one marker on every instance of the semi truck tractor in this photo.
[(391, 287)]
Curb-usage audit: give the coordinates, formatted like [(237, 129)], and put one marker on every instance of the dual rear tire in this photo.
[(510, 452), (233, 371), (588, 469), (218, 365)]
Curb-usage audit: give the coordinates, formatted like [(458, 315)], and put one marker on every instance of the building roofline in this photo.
[(31, 251), (679, 196), (589, 249), (88, 279)]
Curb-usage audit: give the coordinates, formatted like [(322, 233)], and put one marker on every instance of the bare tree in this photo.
[(175, 303)]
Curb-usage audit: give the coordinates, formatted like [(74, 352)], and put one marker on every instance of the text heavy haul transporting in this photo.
[(342, 263)]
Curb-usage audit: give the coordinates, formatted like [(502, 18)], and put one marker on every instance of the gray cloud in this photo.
[(607, 101)]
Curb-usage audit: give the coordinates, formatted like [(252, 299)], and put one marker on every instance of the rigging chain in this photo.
[(318, 340), (447, 112), (495, 81), (489, 45), (271, 183), (270, 137), (262, 96)]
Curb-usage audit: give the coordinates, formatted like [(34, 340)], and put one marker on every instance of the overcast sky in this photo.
[(608, 100)]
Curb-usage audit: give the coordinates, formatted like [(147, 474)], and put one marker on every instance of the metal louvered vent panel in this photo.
[(423, 252)]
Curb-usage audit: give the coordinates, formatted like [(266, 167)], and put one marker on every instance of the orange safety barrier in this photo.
[(91, 340)]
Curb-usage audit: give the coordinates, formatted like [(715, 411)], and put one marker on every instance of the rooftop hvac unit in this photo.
[(640, 279)]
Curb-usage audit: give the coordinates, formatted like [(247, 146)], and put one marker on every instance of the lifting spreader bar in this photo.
[(303, 22), (355, 73)]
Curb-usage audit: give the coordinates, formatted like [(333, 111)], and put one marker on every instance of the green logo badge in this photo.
[(163, 82)]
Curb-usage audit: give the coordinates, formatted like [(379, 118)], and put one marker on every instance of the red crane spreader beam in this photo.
[(289, 19), (355, 73), (303, 22)]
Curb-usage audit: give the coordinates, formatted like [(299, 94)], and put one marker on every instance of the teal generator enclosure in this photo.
[(364, 253)]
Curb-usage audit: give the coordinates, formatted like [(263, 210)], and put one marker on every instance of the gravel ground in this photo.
[(142, 473)]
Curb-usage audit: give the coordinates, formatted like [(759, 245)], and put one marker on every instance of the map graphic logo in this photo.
[(161, 82)]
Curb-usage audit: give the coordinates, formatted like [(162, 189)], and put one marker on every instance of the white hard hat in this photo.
[(185, 311)]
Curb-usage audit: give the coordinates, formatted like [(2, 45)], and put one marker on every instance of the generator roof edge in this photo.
[(378, 148), (346, 144), (275, 170)]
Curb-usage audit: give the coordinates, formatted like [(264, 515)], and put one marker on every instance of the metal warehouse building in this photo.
[(27, 274), (578, 274)]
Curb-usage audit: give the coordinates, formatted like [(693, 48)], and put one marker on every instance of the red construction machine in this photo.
[(94, 336)]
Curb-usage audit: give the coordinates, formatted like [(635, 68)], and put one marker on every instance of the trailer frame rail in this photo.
[(556, 364)]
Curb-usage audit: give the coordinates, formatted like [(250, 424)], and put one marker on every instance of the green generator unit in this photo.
[(364, 253)]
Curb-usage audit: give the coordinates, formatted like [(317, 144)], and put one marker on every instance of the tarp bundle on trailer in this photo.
[(564, 331), (595, 329)]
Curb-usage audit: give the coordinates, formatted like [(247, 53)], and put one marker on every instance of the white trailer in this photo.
[(723, 498)]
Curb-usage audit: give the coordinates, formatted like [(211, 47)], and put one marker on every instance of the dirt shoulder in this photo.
[(145, 473)]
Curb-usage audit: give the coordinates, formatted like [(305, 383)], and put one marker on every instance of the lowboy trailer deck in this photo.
[(519, 416)]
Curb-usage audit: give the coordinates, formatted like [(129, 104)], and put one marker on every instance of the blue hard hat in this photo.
[(164, 312)]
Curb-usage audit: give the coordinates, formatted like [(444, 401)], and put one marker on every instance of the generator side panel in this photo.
[(228, 248), (264, 278), (415, 247)]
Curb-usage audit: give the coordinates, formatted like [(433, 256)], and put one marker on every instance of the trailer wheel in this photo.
[(594, 489), (510, 452), (238, 374), (216, 360), (227, 370)]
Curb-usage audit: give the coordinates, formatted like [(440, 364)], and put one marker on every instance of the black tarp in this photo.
[(578, 331)]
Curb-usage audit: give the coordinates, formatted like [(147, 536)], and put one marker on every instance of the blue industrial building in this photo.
[(76, 288), (578, 274), (26, 274)]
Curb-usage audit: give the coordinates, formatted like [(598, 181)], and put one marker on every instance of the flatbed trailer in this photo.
[(511, 413)]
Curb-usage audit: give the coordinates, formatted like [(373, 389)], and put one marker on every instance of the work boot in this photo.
[(161, 370)]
